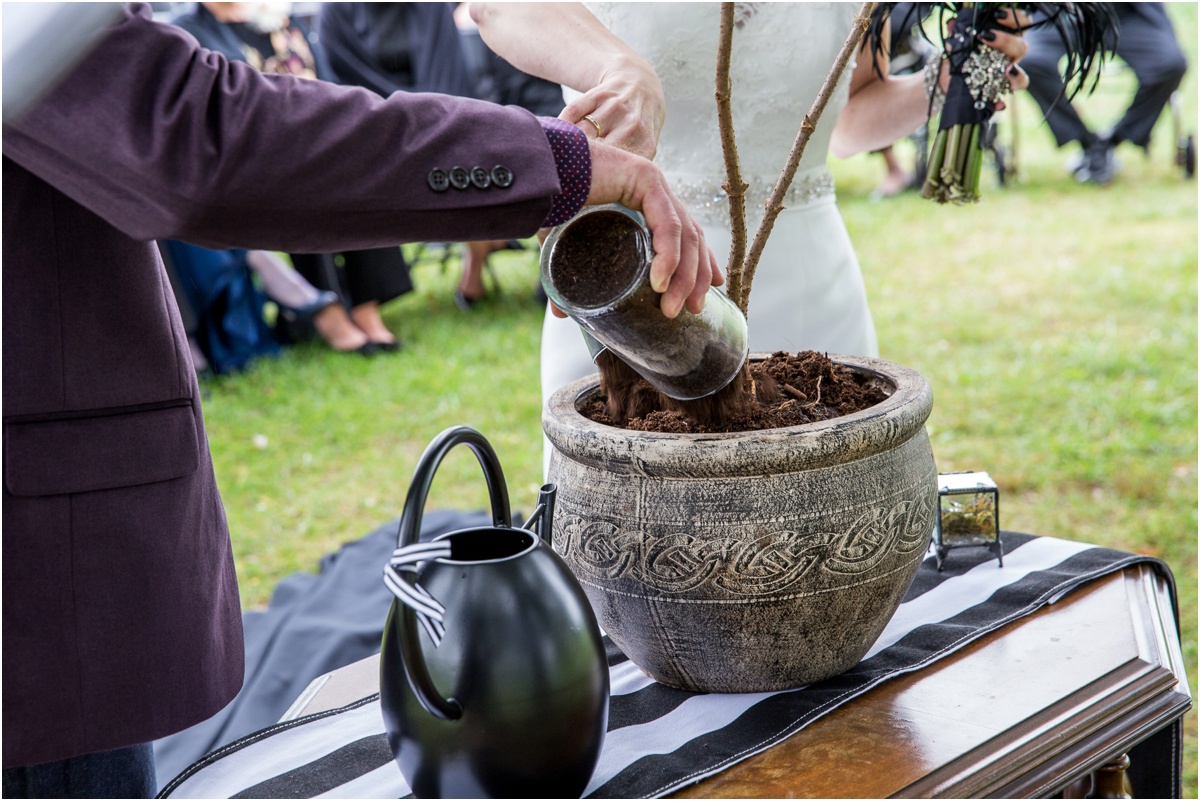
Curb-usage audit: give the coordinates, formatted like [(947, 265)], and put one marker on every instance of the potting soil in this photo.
[(783, 390)]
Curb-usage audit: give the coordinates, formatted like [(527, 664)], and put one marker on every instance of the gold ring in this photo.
[(592, 120)]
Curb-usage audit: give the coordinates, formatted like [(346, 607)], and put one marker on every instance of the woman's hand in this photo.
[(627, 108), (1012, 45), (883, 108), (621, 94)]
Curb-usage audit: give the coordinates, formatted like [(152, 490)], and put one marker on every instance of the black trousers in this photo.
[(1146, 42), (121, 773), (378, 274)]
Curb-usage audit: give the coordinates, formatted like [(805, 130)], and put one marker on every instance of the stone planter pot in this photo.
[(749, 561)]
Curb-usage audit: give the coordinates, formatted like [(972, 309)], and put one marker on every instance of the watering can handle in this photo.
[(410, 528), (418, 491)]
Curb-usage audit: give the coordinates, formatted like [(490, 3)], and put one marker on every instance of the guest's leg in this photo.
[(281, 282), (332, 323), (367, 317), (319, 270), (1047, 88), (896, 180), (122, 773), (1147, 44), (335, 326), (374, 277), (470, 282)]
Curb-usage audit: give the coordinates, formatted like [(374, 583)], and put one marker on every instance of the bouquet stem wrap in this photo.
[(977, 79)]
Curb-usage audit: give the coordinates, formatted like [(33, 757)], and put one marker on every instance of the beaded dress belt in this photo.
[(708, 203)]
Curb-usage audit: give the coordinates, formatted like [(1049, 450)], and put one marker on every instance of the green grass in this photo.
[(1055, 321), (343, 432)]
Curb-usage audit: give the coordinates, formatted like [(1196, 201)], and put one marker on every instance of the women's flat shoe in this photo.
[(463, 302)]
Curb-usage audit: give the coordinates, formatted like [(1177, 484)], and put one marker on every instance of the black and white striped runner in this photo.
[(660, 739)]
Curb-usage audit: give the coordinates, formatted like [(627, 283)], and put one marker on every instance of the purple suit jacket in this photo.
[(121, 614)]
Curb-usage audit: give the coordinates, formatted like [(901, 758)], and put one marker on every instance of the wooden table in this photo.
[(1033, 709)]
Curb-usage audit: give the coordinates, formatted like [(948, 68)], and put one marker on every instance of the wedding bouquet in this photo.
[(979, 76)]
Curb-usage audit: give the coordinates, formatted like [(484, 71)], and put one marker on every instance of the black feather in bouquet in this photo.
[(978, 76)]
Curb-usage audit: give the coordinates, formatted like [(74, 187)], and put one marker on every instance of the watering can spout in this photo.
[(541, 522)]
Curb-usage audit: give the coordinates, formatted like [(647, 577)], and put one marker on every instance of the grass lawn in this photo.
[(1055, 321)]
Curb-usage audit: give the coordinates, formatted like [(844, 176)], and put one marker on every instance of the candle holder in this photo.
[(968, 514)]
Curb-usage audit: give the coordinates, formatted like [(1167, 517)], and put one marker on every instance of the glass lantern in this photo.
[(968, 514)]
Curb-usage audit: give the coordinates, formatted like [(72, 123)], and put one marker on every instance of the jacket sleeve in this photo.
[(164, 139)]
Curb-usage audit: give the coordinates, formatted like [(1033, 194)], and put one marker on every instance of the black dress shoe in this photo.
[(1102, 163), (388, 347), (1097, 163)]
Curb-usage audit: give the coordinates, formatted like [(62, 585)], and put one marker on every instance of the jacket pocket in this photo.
[(104, 451)]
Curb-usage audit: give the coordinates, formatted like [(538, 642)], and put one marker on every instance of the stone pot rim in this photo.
[(880, 428)]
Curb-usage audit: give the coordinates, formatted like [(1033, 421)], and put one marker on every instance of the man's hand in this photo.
[(683, 267)]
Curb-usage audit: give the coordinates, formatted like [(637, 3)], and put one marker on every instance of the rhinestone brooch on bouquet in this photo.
[(986, 76)]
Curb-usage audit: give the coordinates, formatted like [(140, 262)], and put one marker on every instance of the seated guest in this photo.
[(1146, 42), (226, 306), (407, 47), (266, 37)]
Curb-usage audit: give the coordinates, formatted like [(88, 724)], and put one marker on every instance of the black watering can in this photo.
[(493, 680)]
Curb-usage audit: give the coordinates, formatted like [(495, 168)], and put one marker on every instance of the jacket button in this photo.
[(502, 176), (459, 178), (480, 177), (438, 180)]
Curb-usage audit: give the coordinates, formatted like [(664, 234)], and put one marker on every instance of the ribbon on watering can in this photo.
[(410, 559)]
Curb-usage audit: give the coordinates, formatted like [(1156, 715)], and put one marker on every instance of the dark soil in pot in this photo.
[(781, 390)]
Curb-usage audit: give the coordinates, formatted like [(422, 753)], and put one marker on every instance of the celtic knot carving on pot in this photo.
[(677, 563), (904, 527)]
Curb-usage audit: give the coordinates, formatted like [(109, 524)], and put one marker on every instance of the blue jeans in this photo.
[(123, 773)]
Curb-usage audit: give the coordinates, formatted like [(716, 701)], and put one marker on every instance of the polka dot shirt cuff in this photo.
[(573, 158)]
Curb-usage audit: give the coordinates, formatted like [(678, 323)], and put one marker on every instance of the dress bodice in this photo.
[(780, 57), (808, 289)]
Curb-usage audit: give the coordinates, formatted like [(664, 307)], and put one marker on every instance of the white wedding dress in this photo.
[(808, 291)]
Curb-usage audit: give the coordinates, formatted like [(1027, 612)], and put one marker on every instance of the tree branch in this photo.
[(734, 186), (775, 202)]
